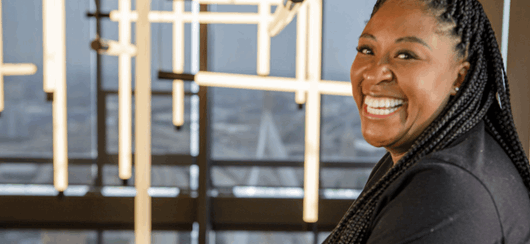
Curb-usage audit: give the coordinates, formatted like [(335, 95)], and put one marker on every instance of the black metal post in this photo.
[(203, 159), (101, 117), (101, 107)]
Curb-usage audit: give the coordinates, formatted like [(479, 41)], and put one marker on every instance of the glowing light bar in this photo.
[(124, 90), (307, 85), (178, 63), (114, 48), (53, 43), (264, 40), (283, 15), (239, 2), (54, 79), (312, 122), (206, 78), (301, 52), (11, 69), (142, 200), (18, 69), (203, 18)]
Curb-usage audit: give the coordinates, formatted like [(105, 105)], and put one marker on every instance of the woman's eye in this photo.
[(405, 55), (364, 50)]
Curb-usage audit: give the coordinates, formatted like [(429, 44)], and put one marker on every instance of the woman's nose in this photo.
[(377, 73)]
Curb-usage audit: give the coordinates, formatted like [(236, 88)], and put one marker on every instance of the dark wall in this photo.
[(518, 62)]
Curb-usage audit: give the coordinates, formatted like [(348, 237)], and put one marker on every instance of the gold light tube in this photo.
[(55, 81), (17, 69), (53, 25), (269, 83), (11, 69), (142, 200), (264, 40), (239, 2), (124, 95), (312, 128), (301, 51), (283, 15), (178, 64), (203, 18), (117, 48)]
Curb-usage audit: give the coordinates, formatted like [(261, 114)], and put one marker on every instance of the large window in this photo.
[(255, 138)]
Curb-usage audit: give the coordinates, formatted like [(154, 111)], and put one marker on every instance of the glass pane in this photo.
[(344, 178), (343, 23), (165, 139), (342, 139), (322, 236), (256, 237), (11, 236), (341, 135), (42, 173), (161, 175), (26, 122), (223, 177), (248, 124), (157, 237)]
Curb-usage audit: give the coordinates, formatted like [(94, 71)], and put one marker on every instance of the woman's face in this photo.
[(403, 75)]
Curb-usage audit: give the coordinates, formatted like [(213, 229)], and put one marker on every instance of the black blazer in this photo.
[(467, 193)]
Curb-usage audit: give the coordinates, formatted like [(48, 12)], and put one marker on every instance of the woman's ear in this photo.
[(461, 76)]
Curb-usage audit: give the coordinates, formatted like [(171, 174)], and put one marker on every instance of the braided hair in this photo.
[(485, 82)]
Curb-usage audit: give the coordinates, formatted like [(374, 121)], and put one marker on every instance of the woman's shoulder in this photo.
[(443, 202), (478, 156), (476, 167), (436, 202)]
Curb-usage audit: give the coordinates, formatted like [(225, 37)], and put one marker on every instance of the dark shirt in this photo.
[(467, 193)]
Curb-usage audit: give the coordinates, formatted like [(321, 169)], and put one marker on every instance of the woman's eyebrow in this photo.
[(402, 39), (369, 36), (412, 39)]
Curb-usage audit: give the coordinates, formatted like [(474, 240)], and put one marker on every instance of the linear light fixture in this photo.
[(301, 52), (239, 2), (53, 45), (10, 69), (178, 63), (124, 50), (307, 85), (142, 200), (203, 18), (270, 83), (264, 40), (312, 119), (178, 17), (283, 15), (54, 79), (124, 92)]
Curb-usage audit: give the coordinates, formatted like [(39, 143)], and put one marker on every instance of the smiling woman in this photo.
[(403, 75), (425, 80)]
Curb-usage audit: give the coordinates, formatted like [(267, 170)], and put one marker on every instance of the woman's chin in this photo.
[(377, 141), (378, 138)]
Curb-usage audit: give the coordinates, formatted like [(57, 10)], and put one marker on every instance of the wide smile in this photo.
[(381, 107)]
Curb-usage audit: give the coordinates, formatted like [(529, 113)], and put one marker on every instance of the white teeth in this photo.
[(382, 106), (381, 111), (382, 102)]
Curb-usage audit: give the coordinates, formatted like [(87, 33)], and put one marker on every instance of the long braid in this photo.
[(485, 81)]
